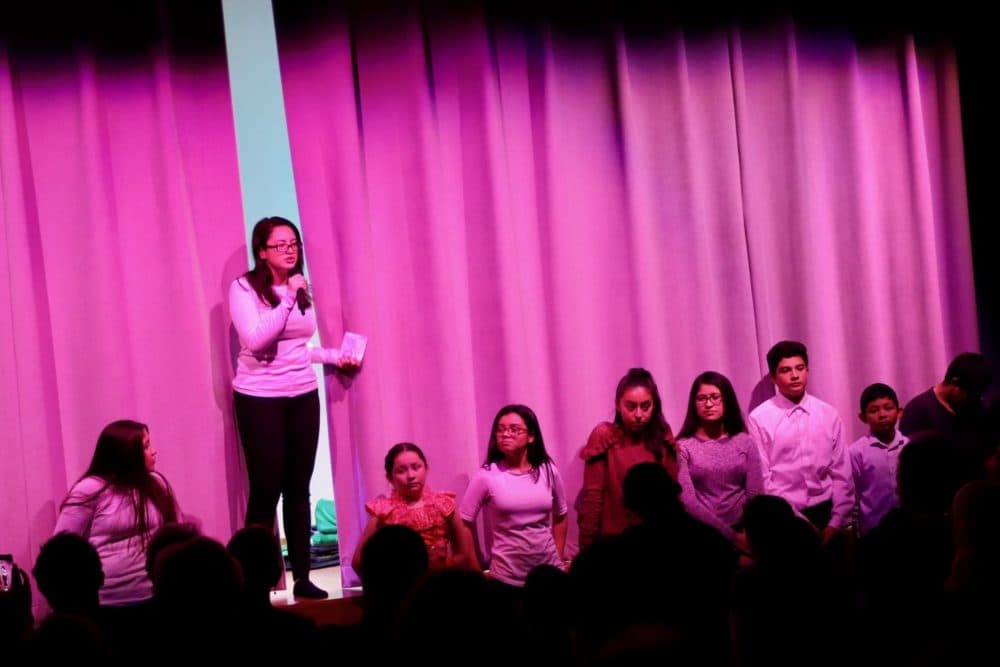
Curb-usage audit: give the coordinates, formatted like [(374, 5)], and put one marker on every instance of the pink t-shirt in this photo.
[(520, 506), (107, 521)]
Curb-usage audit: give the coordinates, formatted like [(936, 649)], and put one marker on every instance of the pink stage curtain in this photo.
[(120, 227), (522, 215)]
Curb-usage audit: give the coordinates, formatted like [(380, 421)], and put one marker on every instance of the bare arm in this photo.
[(461, 543), (559, 528)]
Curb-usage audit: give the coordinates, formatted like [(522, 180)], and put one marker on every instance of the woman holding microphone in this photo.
[(275, 390)]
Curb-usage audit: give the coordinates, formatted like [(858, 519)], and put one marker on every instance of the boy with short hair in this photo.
[(875, 456), (800, 438), (954, 408)]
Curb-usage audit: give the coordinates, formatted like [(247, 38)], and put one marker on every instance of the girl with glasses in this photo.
[(275, 391), (522, 491), (719, 464)]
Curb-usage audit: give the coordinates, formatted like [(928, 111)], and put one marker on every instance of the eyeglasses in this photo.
[(708, 398), (513, 430), (284, 247)]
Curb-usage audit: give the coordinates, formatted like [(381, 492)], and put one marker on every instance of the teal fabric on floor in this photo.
[(326, 522)]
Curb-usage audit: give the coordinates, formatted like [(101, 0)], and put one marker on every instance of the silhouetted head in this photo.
[(259, 555), (391, 561), (166, 536), (69, 574), (650, 492)]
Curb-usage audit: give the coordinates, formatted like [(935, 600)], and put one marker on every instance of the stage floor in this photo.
[(341, 608), (327, 578)]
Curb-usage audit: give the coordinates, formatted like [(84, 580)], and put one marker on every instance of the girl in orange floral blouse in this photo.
[(430, 513)]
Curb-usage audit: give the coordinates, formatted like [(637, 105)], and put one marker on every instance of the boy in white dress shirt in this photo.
[(802, 450)]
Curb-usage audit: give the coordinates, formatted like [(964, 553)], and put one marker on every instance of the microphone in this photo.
[(302, 299)]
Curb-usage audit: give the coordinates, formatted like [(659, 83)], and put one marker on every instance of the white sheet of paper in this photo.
[(353, 345)]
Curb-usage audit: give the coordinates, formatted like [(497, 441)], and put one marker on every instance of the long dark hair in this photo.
[(654, 435), (732, 417), (259, 277), (537, 456), (120, 461)]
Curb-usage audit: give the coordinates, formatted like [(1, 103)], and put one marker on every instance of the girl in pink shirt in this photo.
[(116, 506), (521, 491)]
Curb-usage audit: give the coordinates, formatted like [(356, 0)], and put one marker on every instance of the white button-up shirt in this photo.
[(803, 455)]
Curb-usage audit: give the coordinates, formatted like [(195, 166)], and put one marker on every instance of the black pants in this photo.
[(819, 515), (837, 548), (279, 437)]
